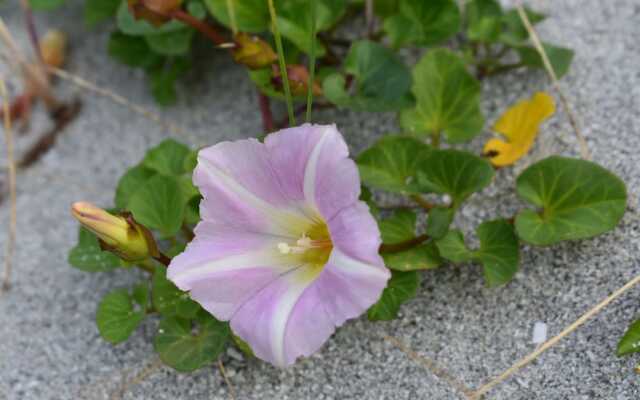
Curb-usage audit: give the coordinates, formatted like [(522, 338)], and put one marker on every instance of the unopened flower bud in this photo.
[(119, 234), (53, 46), (298, 80), (253, 52), (156, 12)]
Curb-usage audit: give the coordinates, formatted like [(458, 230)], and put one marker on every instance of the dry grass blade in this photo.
[(223, 372), (8, 134), (551, 342), (440, 373), (533, 35), (78, 81)]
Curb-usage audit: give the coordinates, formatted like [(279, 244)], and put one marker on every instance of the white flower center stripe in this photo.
[(287, 221), (311, 169), (297, 281), (264, 258), (351, 266)]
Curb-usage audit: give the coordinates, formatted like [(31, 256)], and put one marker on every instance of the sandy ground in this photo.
[(49, 344)]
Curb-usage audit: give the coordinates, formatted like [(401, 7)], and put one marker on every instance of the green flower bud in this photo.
[(119, 234), (253, 52)]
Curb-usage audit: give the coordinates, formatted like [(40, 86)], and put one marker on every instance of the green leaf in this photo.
[(386, 8), (96, 11), (129, 25), (484, 20), (45, 5), (116, 316), (392, 162), (399, 227), (163, 80), (184, 349), (169, 300), (424, 256), (455, 172), (499, 251), (192, 211), (87, 255), (578, 199), (176, 43), (514, 33), (380, 82), (401, 288), (559, 57), (438, 221), (423, 22), (447, 96), (159, 204), (452, 247), (294, 21), (630, 342), (141, 295), (167, 158), (132, 51), (251, 15), (130, 182)]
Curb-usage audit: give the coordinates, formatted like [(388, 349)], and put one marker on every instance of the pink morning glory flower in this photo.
[(285, 250)]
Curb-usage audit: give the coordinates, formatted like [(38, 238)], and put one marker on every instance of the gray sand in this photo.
[(49, 344)]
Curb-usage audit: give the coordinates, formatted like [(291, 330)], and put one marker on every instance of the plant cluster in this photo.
[(437, 100)]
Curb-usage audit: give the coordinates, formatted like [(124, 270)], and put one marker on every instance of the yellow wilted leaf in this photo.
[(53, 46), (519, 125)]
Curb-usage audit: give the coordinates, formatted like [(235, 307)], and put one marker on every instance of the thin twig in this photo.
[(201, 26), (78, 81), (266, 113), (31, 29), (8, 134), (431, 365), (402, 246), (232, 391), (584, 148), (551, 342)]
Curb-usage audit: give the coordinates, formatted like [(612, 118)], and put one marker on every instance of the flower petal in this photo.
[(355, 232), (241, 189), (313, 165), (296, 314)]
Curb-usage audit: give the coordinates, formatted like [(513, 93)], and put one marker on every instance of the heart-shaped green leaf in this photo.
[(250, 15), (391, 164), (169, 300), (159, 204), (399, 227), (514, 33), (577, 199), (130, 182), (176, 43), (185, 349), (168, 157), (423, 22), (438, 221), (132, 51), (163, 79), (294, 21), (447, 97), (401, 288), (559, 57), (424, 256), (116, 316), (89, 257), (457, 173), (452, 247), (380, 82), (630, 342), (484, 20), (499, 251)]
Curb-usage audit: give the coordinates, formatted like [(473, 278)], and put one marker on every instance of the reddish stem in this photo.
[(267, 115), (201, 26), (163, 259), (406, 245)]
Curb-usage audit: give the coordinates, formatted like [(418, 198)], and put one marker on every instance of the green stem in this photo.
[(312, 60), (402, 246), (435, 139), (281, 61)]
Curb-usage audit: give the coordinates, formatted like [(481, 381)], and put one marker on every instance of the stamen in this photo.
[(284, 248)]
